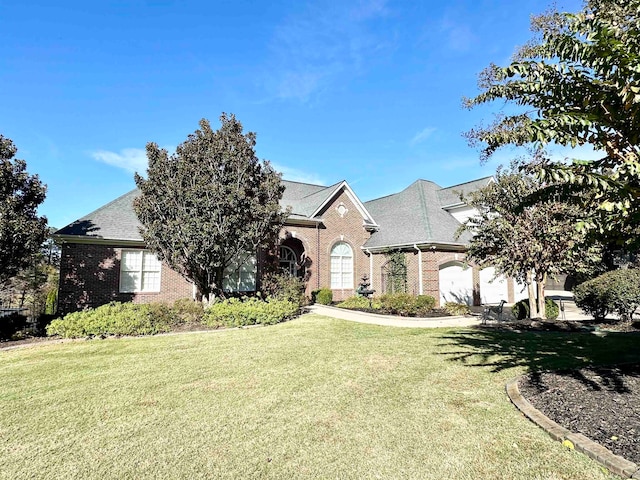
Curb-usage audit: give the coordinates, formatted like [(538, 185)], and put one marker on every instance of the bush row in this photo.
[(616, 292), (148, 319), (393, 304)]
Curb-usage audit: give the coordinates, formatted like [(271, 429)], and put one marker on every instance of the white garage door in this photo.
[(492, 290), (456, 283)]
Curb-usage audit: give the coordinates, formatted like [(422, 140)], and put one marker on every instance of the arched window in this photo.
[(341, 266), (287, 260)]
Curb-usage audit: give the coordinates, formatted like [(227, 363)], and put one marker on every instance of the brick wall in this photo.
[(90, 277), (318, 243)]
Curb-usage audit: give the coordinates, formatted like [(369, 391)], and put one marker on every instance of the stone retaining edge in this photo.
[(615, 463)]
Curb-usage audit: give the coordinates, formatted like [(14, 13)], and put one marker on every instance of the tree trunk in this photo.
[(532, 295), (542, 309)]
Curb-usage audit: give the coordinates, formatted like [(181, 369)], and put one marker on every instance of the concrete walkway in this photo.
[(571, 312), (393, 321)]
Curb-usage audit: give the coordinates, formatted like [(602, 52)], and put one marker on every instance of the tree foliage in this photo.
[(210, 203), (22, 231), (527, 242), (577, 82)]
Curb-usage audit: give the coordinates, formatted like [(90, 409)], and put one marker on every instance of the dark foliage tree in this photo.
[(22, 231), (209, 204), (577, 82), (527, 242)]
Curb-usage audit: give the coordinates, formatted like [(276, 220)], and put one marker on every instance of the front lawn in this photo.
[(312, 398)]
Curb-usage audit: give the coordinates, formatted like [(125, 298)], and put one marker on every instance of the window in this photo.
[(287, 260), (139, 272), (341, 266), (240, 275)]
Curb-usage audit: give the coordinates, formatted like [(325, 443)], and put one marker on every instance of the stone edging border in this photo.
[(606, 457)]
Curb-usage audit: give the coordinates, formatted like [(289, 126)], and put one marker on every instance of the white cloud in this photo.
[(129, 159), (422, 135), (323, 45), (296, 175)]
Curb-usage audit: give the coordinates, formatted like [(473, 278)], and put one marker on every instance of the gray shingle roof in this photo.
[(451, 195), (415, 215), (114, 221), (118, 221)]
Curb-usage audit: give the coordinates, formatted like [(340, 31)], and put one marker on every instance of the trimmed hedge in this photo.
[(251, 311), (116, 318), (521, 310), (617, 291), (148, 319), (360, 303), (407, 305), (401, 304)]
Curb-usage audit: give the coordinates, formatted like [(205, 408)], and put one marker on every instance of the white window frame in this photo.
[(144, 268), (340, 272)]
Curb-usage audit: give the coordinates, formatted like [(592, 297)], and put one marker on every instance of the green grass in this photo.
[(312, 398)]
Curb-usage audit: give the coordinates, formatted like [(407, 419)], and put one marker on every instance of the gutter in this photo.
[(445, 246), (368, 252), (81, 239)]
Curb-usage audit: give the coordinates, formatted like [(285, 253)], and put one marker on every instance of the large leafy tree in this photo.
[(22, 231), (209, 204), (577, 82), (527, 243)]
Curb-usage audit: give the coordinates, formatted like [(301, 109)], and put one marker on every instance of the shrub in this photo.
[(188, 310), (116, 319), (520, 310), (407, 305), (251, 311), (324, 296), (424, 304), (282, 286), (453, 308), (360, 303), (617, 291)]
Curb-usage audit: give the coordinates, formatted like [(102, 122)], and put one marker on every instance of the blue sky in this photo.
[(368, 91)]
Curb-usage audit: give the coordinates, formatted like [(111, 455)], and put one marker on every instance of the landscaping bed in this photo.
[(600, 403)]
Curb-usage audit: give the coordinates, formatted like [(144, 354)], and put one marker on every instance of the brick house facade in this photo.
[(330, 237)]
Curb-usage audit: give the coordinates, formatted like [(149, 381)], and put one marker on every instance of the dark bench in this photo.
[(496, 310)]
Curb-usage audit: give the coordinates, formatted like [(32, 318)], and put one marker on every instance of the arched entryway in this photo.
[(292, 258)]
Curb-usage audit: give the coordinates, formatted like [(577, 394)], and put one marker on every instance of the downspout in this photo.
[(368, 252), (317, 256), (420, 288)]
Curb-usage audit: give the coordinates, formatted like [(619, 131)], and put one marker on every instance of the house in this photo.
[(404, 241)]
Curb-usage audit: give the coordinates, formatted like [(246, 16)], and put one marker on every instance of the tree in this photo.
[(577, 82), (210, 204), (22, 231), (527, 243)]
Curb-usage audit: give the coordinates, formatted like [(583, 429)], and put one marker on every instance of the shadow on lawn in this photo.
[(500, 350)]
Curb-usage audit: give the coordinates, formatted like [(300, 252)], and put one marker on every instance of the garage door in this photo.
[(456, 283), (492, 290)]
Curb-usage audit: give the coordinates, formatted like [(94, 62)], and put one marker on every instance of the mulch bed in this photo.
[(601, 403), (566, 325)]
